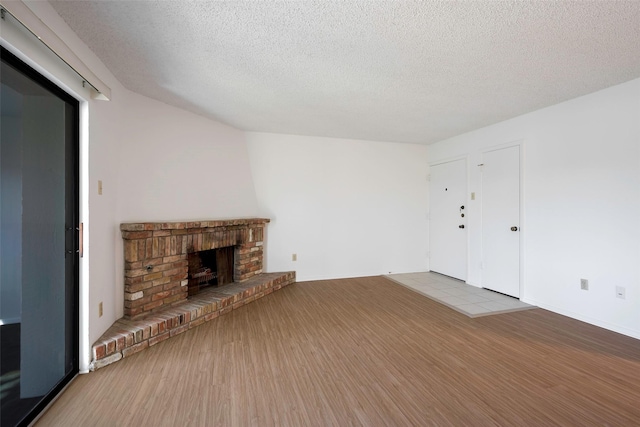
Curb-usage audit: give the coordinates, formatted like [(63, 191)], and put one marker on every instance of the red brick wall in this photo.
[(155, 257)]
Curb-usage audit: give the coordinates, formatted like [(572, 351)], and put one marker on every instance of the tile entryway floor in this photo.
[(467, 299)]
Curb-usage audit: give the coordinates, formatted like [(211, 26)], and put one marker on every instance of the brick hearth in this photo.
[(127, 337)]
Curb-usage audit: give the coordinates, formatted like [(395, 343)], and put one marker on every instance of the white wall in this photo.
[(581, 203), (173, 166), (176, 165), (347, 208)]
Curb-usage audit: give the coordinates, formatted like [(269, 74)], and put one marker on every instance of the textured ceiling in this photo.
[(386, 70)]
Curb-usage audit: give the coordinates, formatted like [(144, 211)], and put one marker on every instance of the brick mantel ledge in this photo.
[(168, 225)]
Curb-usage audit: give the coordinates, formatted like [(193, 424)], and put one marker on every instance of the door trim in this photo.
[(37, 56)]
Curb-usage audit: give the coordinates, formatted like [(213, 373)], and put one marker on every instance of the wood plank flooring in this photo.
[(369, 352)]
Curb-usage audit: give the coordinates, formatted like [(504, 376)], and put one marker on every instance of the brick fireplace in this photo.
[(156, 257)]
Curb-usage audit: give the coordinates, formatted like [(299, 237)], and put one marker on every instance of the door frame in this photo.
[(521, 143), (466, 158), (33, 52)]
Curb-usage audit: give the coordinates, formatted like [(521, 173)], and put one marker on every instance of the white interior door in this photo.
[(447, 232), (501, 220)]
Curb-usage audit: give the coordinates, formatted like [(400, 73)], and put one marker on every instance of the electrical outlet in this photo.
[(100, 309), (621, 292), (294, 257), (584, 284)]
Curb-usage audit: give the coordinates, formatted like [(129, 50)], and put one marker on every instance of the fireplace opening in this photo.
[(210, 268)]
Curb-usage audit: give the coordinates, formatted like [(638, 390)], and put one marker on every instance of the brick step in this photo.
[(127, 337)]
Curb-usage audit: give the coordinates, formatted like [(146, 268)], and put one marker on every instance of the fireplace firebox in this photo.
[(210, 268)]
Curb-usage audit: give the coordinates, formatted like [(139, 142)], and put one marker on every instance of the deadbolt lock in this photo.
[(514, 228)]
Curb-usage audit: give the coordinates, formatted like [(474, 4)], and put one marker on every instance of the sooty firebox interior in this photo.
[(210, 268)]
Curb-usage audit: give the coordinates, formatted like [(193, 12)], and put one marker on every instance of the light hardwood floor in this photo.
[(366, 351)]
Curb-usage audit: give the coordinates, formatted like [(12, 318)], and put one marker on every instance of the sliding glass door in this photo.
[(38, 240)]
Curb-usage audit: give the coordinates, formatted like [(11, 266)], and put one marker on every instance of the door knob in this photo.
[(461, 226), (514, 228)]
